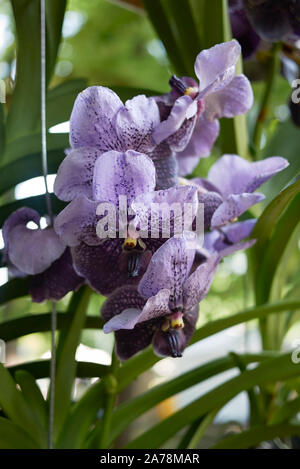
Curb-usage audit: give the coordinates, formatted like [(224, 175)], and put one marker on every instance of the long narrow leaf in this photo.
[(272, 370)]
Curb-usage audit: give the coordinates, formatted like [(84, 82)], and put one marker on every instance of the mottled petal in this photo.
[(75, 174), (234, 99), (211, 201), (33, 251), (105, 266), (233, 207), (217, 64), (184, 108), (197, 285), (55, 282), (170, 206), (168, 269), (235, 175), (180, 139), (130, 342), (135, 123), (77, 222), (200, 145), (92, 119), (157, 306), (122, 298), (128, 174)]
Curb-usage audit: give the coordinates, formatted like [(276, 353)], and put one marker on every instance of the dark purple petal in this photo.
[(130, 342), (128, 174), (33, 251), (198, 283), (122, 298), (234, 175), (55, 282), (168, 269), (75, 174), (166, 172), (211, 201), (77, 222), (233, 207), (234, 99), (200, 145), (156, 307), (242, 29), (215, 67), (135, 123), (92, 119), (105, 267)]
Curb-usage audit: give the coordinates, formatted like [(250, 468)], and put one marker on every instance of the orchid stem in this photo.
[(111, 386), (266, 97)]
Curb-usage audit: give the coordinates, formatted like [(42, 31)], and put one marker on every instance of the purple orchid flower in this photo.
[(38, 253), (242, 29), (164, 308), (226, 240), (235, 180), (110, 261), (274, 20), (100, 122), (219, 93)]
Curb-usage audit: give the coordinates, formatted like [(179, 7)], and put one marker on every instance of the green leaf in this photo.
[(66, 366), (129, 411), (145, 360), (160, 21), (2, 131), (41, 369), (60, 100), (28, 167), (272, 370), (13, 437), (33, 396), (256, 435), (182, 17), (26, 97), (275, 249), (37, 202), (30, 324), (82, 416), (285, 412), (266, 223), (16, 408), (285, 132), (16, 288)]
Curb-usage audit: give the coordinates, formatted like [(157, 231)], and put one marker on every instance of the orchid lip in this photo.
[(172, 338)]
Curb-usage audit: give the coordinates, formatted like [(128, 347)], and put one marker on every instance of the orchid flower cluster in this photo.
[(137, 155)]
